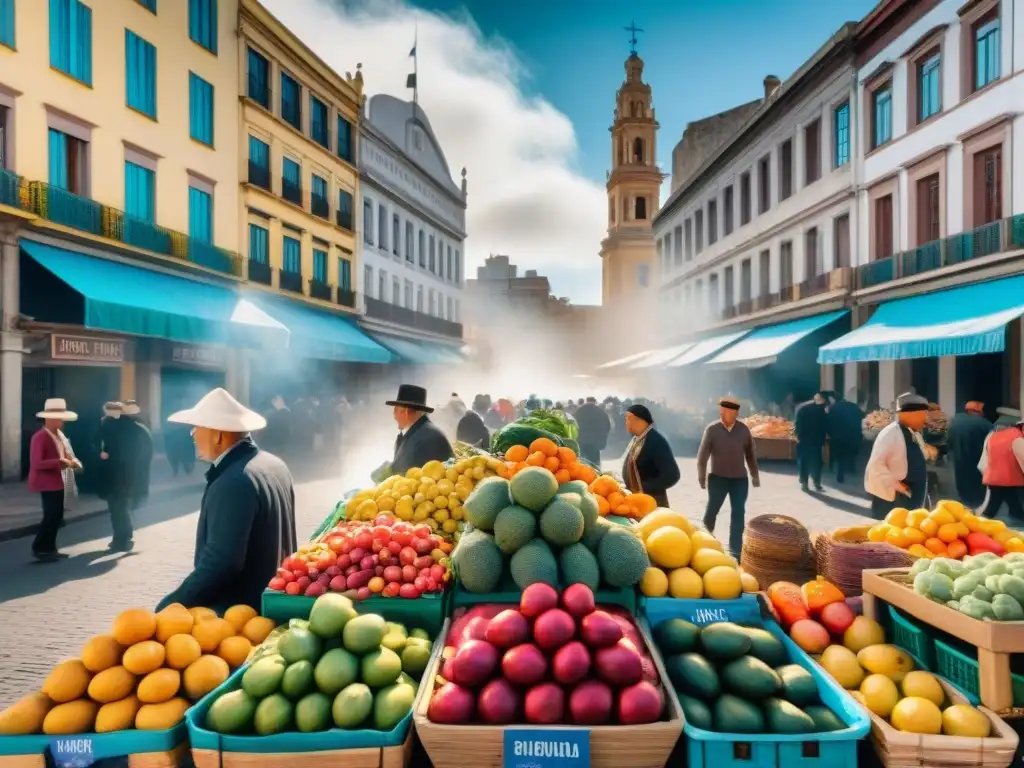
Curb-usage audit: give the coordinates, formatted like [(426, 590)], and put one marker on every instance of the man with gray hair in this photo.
[(897, 474)]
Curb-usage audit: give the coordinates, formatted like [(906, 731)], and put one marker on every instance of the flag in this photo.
[(413, 51), (410, 81)]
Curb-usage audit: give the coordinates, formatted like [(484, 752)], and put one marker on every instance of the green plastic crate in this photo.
[(508, 592), (961, 670), (427, 612), (912, 638)]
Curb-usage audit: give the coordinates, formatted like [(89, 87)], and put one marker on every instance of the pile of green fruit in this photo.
[(340, 669), (733, 679), (538, 531), (983, 586)]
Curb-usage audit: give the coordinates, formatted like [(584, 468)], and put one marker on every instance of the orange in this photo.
[(895, 537), (536, 459), (913, 536), (916, 517), (552, 464), (566, 455), (573, 468), (544, 445), (956, 549), (615, 498), (563, 476), (929, 527), (602, 506), (521, 465), (517, 453), (948, 532), (876, 533), (938, 546), (586, 473), (502, 470)]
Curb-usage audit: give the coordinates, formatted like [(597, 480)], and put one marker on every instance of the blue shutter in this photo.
[(140, 74), (258, 244), (202, 23), (344, 139), (149, 5), (60, 35), (987, 54), (200, 109), (291, 109), (292, 261), (344, 274), (200, 215), (139, 192), (58, 159), (318, 121), (81, 42), (320, 265), (292, 172), (259, 152), (7, 23), (319, 187), (842, 135), (259, 83)]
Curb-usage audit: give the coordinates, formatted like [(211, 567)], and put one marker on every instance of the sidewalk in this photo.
[(21, 511)]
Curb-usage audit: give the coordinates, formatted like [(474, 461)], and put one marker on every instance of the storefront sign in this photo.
[(208, 357), (546, 748), (86, 349)]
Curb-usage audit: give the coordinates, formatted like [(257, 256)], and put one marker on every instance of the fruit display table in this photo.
[(995, 640), (775, 449)]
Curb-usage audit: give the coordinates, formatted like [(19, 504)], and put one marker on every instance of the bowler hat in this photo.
[(411, 396)]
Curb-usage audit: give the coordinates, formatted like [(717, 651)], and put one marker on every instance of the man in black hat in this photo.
[(649, 465), (811, 428), (419, 440)]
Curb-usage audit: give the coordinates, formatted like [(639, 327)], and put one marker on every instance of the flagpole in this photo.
[(416, 66)]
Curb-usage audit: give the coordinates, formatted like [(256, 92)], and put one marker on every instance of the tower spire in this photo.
[(632, 29)]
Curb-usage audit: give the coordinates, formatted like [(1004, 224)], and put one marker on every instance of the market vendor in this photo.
[(967, 433), (896, 474), (1002, 468), (649, 466), (419, 440), (247, 515)]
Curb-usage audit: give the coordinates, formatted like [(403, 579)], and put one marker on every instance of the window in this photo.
[(764, 273), (641, 209), (259, 244), (812, 152), (881, 116), (929, 93), (883, 227), (291, 101), (200, 215), (396, 292), (139, 192), (202, 23), (140, 74), (291, 181), (318, 199), (5, 115), (928, 220), (812, 264), (408, 294), (714, 296), (258, 87), (291, 260), (368, 281), (7, 23), (642, 275), (785, 265), (344, 274), (345, 209), (432, 265), (698, 231), (200, 109), (68, 162), (688, 228), (450, 271), (318, 122), (677, 245), (382, 285), (149, 5), (458, 270), (786, 169), (419, 299), (320, 265), (764, 184), (409, 243), (368, 222), (71, 39), (727, 211), (712, 221), (422, 248), (440, 257), (745, 198), (746, 280), (841, 242), (729, 288), (382, 227), (344, 139), (988, 186), (638, 151), (987, 52), (841, 135)]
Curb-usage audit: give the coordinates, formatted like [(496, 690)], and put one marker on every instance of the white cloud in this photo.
[(525, 199)]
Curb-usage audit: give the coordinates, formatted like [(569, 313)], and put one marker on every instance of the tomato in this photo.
[(347, 545), (407, 556), (409, 591), (299, 568), (325, 562), (422, 531), (392, 589), (364, 539), (392, 573), (385, 557), (277, 583), (292, 588), (377, 546), (403, 537), (286, 575), (382, 532), (437, 572), (335, 543), (409, 574), (420, 583), (394, 547)]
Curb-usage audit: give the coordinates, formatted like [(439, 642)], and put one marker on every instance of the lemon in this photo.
[(654, 582), (703, 560), (449, 526), (749, 582), (923, 685), (723, 582), (897, 518), (661, 518), (404, 509), (669, 547), (386, 503), (441, 502), (965, 720), (685, 582), (414, 473), (704, 540), (880, 694), (916, 715)]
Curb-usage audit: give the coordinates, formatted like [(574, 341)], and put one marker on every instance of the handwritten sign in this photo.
[(86, 348), (72, 752), (546, 748), (743, 610)]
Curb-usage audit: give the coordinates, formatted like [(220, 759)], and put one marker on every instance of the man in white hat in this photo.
[(50, 471), (897, 474), (247, 517)]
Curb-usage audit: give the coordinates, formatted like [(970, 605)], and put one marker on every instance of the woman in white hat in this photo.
[(247, 516), (51, 469)]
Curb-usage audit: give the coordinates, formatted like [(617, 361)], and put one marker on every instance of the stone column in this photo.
[(11, 356), (887, 383), (947, 384)]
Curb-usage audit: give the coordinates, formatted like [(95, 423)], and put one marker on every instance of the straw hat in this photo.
[(56, 408), (220, 411)]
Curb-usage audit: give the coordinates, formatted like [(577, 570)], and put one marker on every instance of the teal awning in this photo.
[(144, 302), (763, 346), (420, 352), (323, 335), (621, 361), (969, 320), (706, 348)]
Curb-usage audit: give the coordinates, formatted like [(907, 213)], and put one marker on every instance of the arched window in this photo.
[(622, 155), (611, 211), (625, 209), (641, 208), (638, 150), (636, 109)]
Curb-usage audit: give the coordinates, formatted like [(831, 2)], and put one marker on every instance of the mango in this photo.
[(101, 652), (68, 681), (117, 715), (160, 717), (26, 715), (70, 718), (111, 685), (886, 660)]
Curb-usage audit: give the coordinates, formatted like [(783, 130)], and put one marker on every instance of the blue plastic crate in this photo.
[(103, 745), (745, 609)]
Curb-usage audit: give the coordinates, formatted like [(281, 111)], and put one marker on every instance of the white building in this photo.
[(412, 228)]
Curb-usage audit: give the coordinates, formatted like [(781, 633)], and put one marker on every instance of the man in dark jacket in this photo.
[(811, 430), (141, 441), (967, 433), (595, 426), (649, 466), (277, 438), (247, 515), (419, 440), (845, 434), (117, 457), (472, 430)]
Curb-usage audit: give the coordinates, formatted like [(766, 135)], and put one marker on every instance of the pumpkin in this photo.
[(819, 593), (788, 603)]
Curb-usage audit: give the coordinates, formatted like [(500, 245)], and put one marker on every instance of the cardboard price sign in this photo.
[(546, 748)]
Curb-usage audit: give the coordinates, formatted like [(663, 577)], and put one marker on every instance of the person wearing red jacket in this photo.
[(1002, 471), (51, 465)]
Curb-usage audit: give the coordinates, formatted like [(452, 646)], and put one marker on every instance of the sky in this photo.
[(521, 93)]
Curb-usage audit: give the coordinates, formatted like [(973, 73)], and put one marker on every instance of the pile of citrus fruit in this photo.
[(560, 461), (943, 532)]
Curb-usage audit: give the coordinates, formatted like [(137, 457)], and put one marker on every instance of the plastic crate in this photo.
[(427, 612), (745, 609), (912, 638), (962, 671), (508, 592), (102, 746)]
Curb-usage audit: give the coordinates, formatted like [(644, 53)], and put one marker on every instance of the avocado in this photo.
[(273, 715), (381, 667), (313, 713), (391, 705), (824, 718), (352, 706), (734, 715), (231, 713), (696, 712), (785, 717), (676, 636), (264, 676), (724, 641), (693, 675), (798, 685), (767, 647), (335, 670), (299, 643), (750, 678), (364, 633), (297, 680)]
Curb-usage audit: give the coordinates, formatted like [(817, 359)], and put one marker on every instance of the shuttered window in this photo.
[(139, 192), (292, 259), (259, 244), (200, 109), (200, 215), (7, 23), (71, 39), (140, 74), (202, 23), (320, 265)]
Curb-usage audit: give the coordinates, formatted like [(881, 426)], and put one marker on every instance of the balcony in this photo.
[(344, 219), (259, 91), (291, 191), (209, 255), (320, 290), (259, 272), (290, 281), (63, 207), (259, 175), (346, 298), (10, 189), (138, 232), (320, 207), (996, 237), (392, 313)]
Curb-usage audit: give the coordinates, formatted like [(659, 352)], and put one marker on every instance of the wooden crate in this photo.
[(775, 449), (611, 746), (896, 749), (995, 640), (378, 757)]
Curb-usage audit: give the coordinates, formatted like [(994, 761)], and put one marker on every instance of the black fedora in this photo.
[(411, 396)]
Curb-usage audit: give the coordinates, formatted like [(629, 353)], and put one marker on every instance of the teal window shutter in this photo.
[(259, 79), (139, 192), (140, 74), (320, 265), (929, 97), (319, 187), (259, 244), (345, 209), (7, 23), (987, 52), (318, 122), (200, 109), (202, 23), (149, 5), (344, 274), (291, 107), (200, 215), (58, 159), (292, 171), (259, 152), (842, 135), (344, 139), (71, 39), (292, 261)]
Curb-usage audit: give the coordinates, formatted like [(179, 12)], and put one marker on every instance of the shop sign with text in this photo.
[(208, 357), (86, 349)]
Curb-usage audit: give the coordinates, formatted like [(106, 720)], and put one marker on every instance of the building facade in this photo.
[(413, 228)]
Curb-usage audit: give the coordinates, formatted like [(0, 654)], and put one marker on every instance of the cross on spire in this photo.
[(632, 29)]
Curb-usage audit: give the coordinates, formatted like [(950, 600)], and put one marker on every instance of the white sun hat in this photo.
[(130, 408), (219, 410), (56, 408)]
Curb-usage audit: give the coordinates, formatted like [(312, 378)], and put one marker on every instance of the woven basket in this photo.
[(845, 552), (777, 548)]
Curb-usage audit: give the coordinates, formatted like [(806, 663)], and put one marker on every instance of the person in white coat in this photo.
[(897, 474)]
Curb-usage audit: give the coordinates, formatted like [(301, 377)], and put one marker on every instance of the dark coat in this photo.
[(595, 426), (117, 471), (845, 423), (246, 528), (812, 424), (141, 444), (472, 430), (967, 433), (422, 443), (656, 466), (278, 432)]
